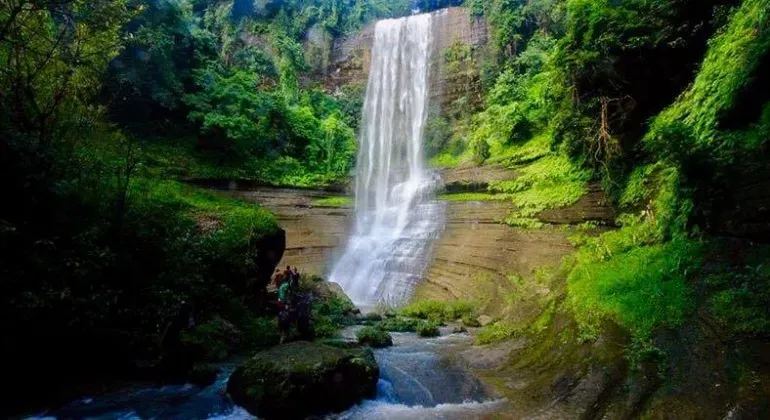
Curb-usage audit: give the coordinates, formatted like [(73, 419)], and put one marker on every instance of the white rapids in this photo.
[(396, 220)]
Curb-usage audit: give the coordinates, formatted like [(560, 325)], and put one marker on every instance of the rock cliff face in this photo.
[(313, 233), (477, 255), (452, 77), (480, 258)]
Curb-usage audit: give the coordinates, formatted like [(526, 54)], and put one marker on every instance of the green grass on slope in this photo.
[(551, 181), (333, 202), (472, 197), (448, 160), (231, 221)]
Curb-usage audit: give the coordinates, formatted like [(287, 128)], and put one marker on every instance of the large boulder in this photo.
[(328, 290), (303, 379)]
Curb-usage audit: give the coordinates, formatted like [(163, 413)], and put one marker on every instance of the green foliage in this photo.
[(552, 181), (428, 329), (334, 151), (330, 314), (240, 221), (448, 159), (260, 332), (150, 74), (470, 321), (471, 197), (480, 150), (497, 126), (438, 311), (216, 339), (229, 108), (333, 202), (374, 337), (642, 289), (692, 124), (496, 332), (437, 135), (739, 297), (400, 324)]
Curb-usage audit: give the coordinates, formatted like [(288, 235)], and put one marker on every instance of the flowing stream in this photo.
[(416, 382), (396, 220)]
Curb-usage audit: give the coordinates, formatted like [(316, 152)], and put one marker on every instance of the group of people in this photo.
[(292, 305)]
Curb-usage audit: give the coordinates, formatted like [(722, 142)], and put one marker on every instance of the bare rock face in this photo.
[(313, 232), (474, 178), (592, 207), (478, 256)]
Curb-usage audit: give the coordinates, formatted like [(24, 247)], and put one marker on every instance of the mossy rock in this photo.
[(304, 379), (459, 329), (374, 337)]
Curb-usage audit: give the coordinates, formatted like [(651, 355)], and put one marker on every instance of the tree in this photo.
[(53, 60)]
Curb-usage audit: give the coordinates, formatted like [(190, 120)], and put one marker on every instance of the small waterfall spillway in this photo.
[(396, 220)]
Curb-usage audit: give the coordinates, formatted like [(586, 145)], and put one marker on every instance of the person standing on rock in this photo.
[(284, 307)]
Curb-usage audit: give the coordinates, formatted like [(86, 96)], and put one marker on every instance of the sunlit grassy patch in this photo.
[(471, 197), (439, 311), (338, 201)]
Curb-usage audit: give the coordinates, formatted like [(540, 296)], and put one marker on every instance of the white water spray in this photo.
[(396, 220)]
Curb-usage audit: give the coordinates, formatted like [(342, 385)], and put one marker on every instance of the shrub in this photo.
[(439, 311), (331, 314), (260, 332), (480, 150), (496, 332), (374, 337), (428, 329), (213, 340), (399, 324)]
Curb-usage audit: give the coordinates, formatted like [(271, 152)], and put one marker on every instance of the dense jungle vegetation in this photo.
[(665, 103), (107, 104)]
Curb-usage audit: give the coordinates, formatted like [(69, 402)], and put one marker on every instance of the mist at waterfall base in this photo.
[(396, 219)]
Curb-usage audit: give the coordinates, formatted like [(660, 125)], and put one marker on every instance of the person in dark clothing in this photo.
[(303, 311), (295, 277)]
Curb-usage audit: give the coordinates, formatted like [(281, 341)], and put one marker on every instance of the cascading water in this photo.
[(396, 220)]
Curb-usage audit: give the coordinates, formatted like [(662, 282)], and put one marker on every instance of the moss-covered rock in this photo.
[(302, 379), (374, 337)]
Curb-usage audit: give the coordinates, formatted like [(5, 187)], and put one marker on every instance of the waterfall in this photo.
[(396, 220)]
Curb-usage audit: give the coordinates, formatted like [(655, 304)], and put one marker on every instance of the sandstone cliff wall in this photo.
[(350, 58)]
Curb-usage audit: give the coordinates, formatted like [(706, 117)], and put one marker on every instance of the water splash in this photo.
[(396, 220)]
